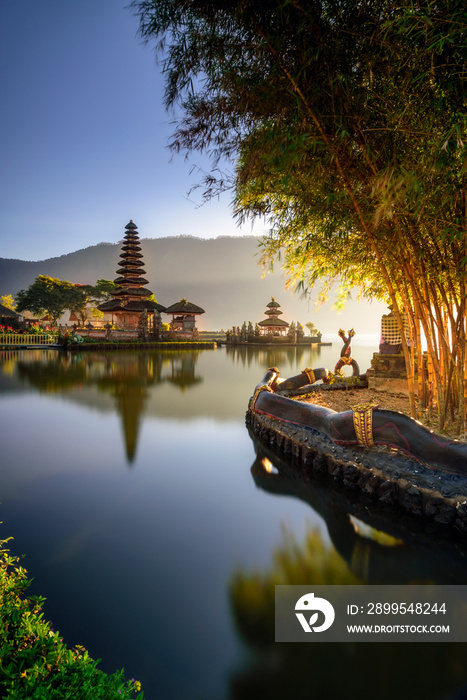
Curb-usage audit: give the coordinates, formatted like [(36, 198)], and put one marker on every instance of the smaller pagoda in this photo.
[(130, 297), (184, 314), (273, 325)]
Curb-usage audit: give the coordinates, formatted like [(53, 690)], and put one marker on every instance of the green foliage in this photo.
[(35, 663), (102, 290), (339, 378), (88, 294), (78, 303), (47, 295), (38, 330), (312, 329), (51, 296)]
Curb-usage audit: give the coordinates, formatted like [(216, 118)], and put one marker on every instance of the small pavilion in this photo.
[(184, 314), (273, 325), (130, 297)]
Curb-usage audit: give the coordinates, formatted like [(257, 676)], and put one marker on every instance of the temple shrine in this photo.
[(273, 325), (131, 298), (184, 314)]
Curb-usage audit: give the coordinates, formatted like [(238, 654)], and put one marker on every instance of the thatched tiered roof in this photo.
[(130, 295), (184, 307), (274, 323), (5, 312)]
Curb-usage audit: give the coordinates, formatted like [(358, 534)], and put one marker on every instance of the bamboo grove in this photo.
[(346, 123)]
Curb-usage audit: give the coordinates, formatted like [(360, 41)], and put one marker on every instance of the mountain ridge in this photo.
[(222, 275)]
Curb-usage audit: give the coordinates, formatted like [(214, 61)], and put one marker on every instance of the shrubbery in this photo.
[(35, 663), (30, 330)]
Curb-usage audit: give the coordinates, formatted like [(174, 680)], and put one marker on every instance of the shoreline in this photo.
[(159, 345), (381, 475)]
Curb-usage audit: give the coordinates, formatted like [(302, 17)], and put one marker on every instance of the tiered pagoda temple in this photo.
[(130, 297), (273, 325)]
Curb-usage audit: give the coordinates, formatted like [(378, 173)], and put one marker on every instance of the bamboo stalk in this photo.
[(421, 380)]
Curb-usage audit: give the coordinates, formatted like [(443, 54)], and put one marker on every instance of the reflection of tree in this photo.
[(53, 373), (270, 356), (335, 671), (183, 370)]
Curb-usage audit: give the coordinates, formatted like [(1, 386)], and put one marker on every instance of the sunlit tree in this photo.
[(48, 295), (88, 296), (8, 301), (346, 126)]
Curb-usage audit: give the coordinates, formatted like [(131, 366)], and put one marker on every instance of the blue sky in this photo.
[(84, 134)]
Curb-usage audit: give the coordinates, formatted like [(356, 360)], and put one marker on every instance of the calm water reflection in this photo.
[(155, 527)]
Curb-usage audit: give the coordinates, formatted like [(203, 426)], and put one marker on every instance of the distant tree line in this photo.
[(248, 333), (48, 296)]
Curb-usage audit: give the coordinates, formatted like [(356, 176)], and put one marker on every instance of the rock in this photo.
[(387, 492), (320, 463)]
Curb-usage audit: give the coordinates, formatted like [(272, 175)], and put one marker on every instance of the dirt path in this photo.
[(342, 400)]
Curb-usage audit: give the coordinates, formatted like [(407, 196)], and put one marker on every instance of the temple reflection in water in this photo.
[(127, 377)]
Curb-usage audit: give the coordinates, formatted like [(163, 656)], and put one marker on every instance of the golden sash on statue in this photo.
[(310, 375), (363, 423)]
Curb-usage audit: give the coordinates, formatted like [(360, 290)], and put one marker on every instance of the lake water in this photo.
[(131, 485)]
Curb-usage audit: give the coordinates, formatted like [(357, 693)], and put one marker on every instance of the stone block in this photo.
[(389, 385)]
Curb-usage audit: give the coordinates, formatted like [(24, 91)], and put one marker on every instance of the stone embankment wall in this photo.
[(184, 345), (384, 475), (388, 374)]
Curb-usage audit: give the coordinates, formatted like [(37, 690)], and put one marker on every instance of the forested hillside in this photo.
[(221, 275)]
